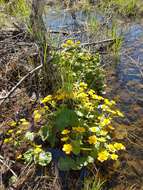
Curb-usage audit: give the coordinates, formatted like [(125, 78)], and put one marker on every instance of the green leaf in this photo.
[(52, 138), (65, 164), (29, 136), (90, 159), (65, 118), (94, 153), (79, 113), (76, 147), (44, 158), (44, 132), (28, 156)]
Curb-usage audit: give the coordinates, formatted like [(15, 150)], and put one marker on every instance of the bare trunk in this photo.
[(49, 73), (36, 20)]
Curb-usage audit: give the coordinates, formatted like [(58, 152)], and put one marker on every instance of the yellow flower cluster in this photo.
[(70, 43), (92, 129), (104, 155), (110, 152)]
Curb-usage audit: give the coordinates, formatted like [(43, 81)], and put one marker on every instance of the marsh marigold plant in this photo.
[(77, 123)]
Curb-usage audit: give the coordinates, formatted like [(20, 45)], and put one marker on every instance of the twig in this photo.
[(18, 84), (89, 43), (8, 167), (99, 42)]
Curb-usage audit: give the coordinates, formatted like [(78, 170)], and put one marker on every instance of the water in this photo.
[(124, 81)]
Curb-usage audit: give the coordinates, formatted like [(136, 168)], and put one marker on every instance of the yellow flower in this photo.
[(111, 111), (65, 132), (67, 148), (79, 129), (119, 146), (82, 95), (88, 106), (108, 102), (25, 123), (12, 123), (10, 131), (18, 132), (96, 97), (119, 113), (102, 156), (114, 156), (70, 42), (64, 138), (37, 116), (47, 99), (101, 139), (92, 139), (104, 107), (91, 92), (111, 148), (103, 132), (105, 121), (37, 150), (93, 129), (83, 85), (7, 140)]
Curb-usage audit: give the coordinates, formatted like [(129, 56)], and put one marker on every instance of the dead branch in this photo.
[(98, 42)]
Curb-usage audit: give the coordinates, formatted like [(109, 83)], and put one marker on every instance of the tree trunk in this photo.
[(36, 21), (48, 78)]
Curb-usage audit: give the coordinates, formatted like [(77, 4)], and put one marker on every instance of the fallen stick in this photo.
[(98, 42)]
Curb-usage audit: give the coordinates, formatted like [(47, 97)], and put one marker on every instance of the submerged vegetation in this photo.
[(65, 124)]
